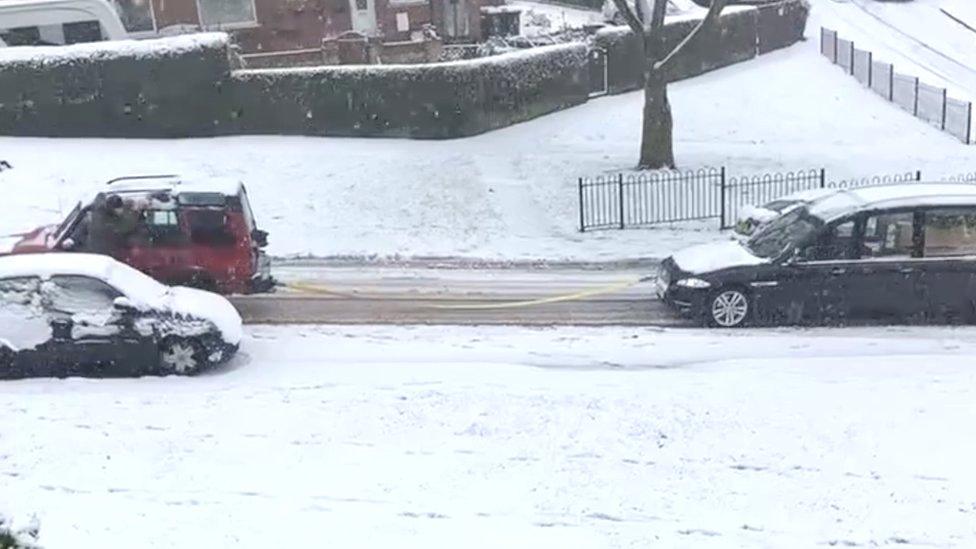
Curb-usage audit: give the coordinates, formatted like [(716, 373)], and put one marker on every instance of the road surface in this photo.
[(346, 294)]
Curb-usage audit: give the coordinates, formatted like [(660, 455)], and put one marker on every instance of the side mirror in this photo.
[(260, 237), (796, 256), (68, 244)]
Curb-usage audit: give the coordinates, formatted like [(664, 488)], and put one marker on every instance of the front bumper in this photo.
[(689, 302)]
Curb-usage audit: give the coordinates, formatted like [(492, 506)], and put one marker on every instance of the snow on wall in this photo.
[(164, 87), (40, 56), (437, 100)]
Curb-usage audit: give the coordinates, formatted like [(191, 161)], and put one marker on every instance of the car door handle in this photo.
[(906, 270), (838, 271)]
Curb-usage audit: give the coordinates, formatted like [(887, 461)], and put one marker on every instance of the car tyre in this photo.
[(729, 307), (182, 356)]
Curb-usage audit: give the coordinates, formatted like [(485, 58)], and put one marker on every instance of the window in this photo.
[(136, 15), (78, 294), (837, 243), (85, 31), (210, 227), (785, 233), (889, 235), (950, 232), (222, 13), (21, 36), (18, 291)]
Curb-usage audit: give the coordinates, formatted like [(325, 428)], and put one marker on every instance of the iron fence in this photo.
[(621, 201), (930, 103), (664, 196)]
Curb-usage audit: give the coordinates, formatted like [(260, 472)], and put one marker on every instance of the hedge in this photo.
[(738, 36), (439, 100)]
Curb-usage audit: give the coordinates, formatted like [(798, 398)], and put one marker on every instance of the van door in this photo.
[(949, 266), (161, 248)]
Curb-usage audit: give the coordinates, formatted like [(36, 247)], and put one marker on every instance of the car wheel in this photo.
[(181, 356), (729, 308)]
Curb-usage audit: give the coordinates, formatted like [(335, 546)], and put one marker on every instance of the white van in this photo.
[(58, 22)]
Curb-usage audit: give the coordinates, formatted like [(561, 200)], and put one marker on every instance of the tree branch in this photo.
[(659, 11), (632, 20), (713, 12)]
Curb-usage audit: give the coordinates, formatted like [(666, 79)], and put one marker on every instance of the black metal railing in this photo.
[(647, 198), (619, 201)]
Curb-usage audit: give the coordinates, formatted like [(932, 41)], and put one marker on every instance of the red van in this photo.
[(197, 233)]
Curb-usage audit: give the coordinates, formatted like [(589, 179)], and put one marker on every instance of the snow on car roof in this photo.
[(894, 196), (46, 265), (176, 184)]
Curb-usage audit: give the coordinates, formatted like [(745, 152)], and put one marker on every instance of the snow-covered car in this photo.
[(89, 315), (752, 217)]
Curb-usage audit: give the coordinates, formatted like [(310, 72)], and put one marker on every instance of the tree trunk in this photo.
[(657, 147)]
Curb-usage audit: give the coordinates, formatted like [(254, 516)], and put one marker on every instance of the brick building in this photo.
[(282, 25)]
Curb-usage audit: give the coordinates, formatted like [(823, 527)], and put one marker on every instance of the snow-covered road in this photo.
[(434, 437)]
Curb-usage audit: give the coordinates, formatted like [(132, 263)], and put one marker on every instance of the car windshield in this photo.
[(783, 233)]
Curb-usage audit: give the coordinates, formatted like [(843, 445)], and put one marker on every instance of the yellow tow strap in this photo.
[(608, 289)]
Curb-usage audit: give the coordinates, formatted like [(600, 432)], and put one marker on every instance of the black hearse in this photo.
[(882, 252)]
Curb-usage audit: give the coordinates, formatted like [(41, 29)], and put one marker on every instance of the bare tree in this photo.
[(646, 19)]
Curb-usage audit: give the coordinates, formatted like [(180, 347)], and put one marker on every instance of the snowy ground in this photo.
[(512, 438), (511, 194), (916, 36)]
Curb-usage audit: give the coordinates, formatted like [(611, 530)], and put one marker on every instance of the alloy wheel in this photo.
[(730, 308), (179, 356)]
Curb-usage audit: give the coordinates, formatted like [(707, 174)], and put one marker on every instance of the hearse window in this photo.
[(888, 235), (78, 294), (837, 243), (83, 31), (950, 232), (793, 229)]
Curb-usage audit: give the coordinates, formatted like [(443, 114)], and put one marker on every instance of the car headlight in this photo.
[(695, 283)]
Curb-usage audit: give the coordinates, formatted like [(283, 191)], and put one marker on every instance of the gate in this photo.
[(598, 72)]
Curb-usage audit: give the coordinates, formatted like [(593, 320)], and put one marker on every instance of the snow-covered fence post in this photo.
[(915, 111), (582, 206), (721, 199), (836, 45), (945, 104), (620, 187), (852, 58), (870, 68), (891, 83), (969, 123)]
